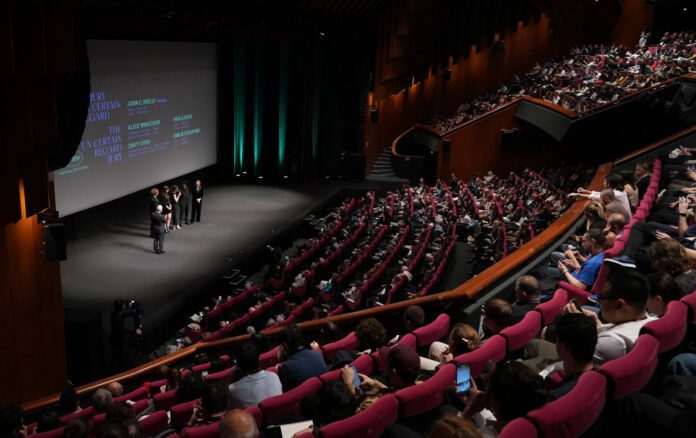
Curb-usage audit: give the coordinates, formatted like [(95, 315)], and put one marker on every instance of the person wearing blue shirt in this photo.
[(301, 362), (584, 275)]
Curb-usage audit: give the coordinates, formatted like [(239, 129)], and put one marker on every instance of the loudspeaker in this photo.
[(54, 242), (374, 115), (446, 144)]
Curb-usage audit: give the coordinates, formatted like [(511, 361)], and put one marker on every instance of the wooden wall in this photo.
[(635, 16), (37, 49), (471, 76)]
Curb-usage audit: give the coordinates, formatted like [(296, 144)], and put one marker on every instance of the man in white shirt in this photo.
[(623, 304), (256, 385), (611, 181)]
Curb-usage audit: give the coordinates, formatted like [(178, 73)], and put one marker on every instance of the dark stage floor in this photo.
[(116, 260)]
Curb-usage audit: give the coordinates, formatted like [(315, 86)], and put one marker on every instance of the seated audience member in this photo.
[(663, 289), (452, 426), (584, 275), (334, 401), (371, 334), (614, 183), (238, 424), (121, 411), (77, 428), (615, 225), (48, 420), (576, 341), (68, 402), (527, 292), (623, 305), (462, 339), (191, 388), (497, 315), (115, 388), (513, 390), (330, 332), (612, 205), (301, 363), (173, 377), (135, 430), (683, 364), (414, 318), (641, 173), (102, 400), (212, 407), (669, 256), (113, 429), (256, 385), (595, 217)]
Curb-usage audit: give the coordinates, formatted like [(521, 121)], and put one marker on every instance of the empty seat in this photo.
[(428, 395), (493, 350), (524, 331), (633, 371), (289, 402), (575, 412), (670, 329), (434, 331), (554, 307), (369, 423)]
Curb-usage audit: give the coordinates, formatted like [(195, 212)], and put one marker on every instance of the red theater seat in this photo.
[(670, 329), (348, 343), (369, 423), (289, 402), (520, 334), (633, 371), (55, 433), (575, 412), (164, 400), (205, 431), (138, 394), (269, 358), (434, 331), (690, 300), (554, 307), (428, 395), (155, 423), (519, 428), (493, 350)]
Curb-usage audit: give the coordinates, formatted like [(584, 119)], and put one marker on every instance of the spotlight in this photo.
[(238, 175), (260, 177), (285, 177), (244, 172)]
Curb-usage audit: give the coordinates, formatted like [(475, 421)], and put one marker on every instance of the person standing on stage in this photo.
[(166, 206), (176, 207), (154, 199), (185, 203), (157, 229), (197, 201)]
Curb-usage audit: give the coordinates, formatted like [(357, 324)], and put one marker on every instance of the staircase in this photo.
[(382, 169)]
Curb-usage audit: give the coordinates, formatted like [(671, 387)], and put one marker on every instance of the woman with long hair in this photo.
[(166, 207), (176, 207)]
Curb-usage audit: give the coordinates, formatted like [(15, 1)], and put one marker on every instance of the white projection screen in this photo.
[(152, 117)]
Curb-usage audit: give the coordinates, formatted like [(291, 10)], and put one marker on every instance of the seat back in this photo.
[(255, 412), (524, 331), (519, 428), (165, 400), (155, 423), (364, 364), (180, 414), (670, 329), (135, 395), (269, 358), (690, 301), (205, 431), (348, 343), (408, 339), (574, 293), (434, 331), (369, 423), (633, 371), (493, 350), (289, 402), (575, 412), (417, 399), (553, 307), (83, 413), (55, 433)]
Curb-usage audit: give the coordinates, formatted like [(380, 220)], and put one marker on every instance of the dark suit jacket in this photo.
[(157, 221), (154, 202), (196, 194), (642, 186), (185, 198)]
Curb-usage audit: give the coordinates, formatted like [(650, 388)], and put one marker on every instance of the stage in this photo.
[(115, 260)]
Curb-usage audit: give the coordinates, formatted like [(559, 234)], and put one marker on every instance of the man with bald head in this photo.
[(613, 205), (115, 388), (238, 424), (528, 294)]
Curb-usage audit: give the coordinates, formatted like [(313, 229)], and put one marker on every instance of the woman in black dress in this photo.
[(176, 207), (197, 201), (166, 206)]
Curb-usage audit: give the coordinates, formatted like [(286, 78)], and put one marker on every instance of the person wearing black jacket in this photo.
[(157, 229), (196, 201), (166, 202), (185, 203)]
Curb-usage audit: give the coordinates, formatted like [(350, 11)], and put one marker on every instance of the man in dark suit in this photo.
[(157, 229), (185, 202)]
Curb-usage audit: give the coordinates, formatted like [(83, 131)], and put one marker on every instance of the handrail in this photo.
[(416, 126), (483, 116), (468, 289)]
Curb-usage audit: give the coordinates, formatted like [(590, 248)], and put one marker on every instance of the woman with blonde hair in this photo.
[(463, 339)]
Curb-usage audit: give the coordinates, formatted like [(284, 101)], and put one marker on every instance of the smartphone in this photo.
[(356, 377), (463, 378), (204, 373)]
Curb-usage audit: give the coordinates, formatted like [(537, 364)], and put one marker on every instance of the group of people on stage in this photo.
[(170, 208)]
